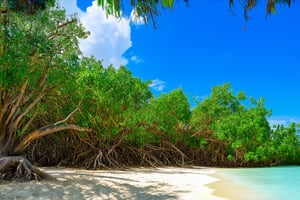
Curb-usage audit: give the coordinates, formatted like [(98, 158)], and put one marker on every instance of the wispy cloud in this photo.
[(158, 85), (282, 120), (200, 98), (136, 59), (110, 37)]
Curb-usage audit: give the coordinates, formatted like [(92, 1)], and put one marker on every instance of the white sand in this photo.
[(144, 184)]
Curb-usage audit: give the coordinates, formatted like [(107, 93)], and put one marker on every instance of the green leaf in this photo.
[(167, 3), (273, 10)]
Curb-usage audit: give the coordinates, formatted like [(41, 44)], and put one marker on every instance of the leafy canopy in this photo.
[(150, 9)]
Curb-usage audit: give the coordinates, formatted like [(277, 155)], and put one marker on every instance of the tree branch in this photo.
[(24, 129), (46, 130), (64, 120), (60, 26), (28, 109), (17, 104), (6, 102)]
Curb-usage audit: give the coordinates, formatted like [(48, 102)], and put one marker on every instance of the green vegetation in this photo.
[(150, 9), (37, 67), (109, 118)]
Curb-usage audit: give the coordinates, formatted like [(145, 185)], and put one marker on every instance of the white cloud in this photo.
[(274, 122), (135, 19), (71, 7), (282, 120), (109, 37), (135, 59), (158, 85)]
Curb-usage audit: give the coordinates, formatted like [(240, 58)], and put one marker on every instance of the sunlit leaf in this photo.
[(273, 10)]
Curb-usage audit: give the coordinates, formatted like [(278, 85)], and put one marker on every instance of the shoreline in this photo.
[(137, 183), (230, 190)]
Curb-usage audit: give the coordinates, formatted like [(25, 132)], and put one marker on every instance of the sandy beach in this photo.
[(231, 190), (140, 183)]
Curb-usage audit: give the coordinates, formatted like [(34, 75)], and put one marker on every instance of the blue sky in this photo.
[(204, 45)]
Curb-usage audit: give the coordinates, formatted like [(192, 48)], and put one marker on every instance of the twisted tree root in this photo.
[(19, 168)]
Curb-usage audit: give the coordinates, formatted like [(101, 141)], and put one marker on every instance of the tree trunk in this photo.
[(19, 101), (13, 110)]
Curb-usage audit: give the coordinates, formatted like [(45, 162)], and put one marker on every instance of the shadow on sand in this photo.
[(82, 184)]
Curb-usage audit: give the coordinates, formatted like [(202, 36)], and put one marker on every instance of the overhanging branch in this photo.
[(46, 130)]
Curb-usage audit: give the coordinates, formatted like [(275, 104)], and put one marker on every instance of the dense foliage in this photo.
[(36, 66), (47, 86), (133, 128)]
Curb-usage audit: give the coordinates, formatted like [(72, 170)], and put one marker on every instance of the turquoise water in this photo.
[(276, 183)]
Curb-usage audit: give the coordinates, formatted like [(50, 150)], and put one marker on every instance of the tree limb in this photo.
[(25, 127), (16, 106), (28, 109), (64, 120), (43, 131), (60, 26)]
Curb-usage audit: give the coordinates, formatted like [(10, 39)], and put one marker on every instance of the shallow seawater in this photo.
[(274, 183)]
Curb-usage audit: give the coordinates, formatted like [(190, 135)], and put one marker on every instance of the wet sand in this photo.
[(227, 188)]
